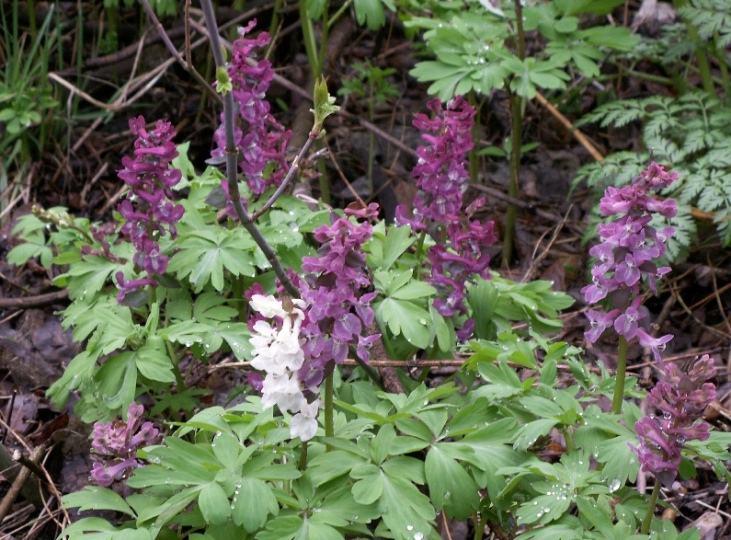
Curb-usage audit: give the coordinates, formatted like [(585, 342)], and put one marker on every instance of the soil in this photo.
[(77, 170)]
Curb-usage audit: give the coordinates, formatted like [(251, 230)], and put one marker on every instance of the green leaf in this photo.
[(97, 498), (370, 488), (406, 511), (450, 487), (117, 379), (101, 529), (544, 508), (413, 290), (214, 504), (529, 433), (490, 452), (324, 104), (315, 8), (253, 504), (398, 240), (370, 12), (205, 254), (403, 317), (153, 362)]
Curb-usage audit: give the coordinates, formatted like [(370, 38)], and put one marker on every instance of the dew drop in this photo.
[(409, 527), (614, 485), (418, 536)]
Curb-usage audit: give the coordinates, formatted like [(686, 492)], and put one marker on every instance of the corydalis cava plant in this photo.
[(442, 177), (629, 250), (117, 442), (307, 337), (336, 289), (676, 406), (278, 352), (149, 211), (260, 139)]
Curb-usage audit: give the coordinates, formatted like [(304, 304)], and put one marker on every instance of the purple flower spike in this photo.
[(260, 139), (627, 253), (117, 443), (680, 398), (335, 291), (442, 177), (149, 211)]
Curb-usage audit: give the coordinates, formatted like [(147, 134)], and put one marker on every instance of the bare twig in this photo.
[(174, 51), (232, 162), (293, 169), (33, 301), (578, 135), (19, 483)]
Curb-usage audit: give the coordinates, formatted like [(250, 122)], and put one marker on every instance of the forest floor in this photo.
[(78, 171)]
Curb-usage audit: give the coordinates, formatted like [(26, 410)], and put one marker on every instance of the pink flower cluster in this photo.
[(680, 399), (149, 211), (442, 177), (628, 250), (117, 442), (336, 293), (260, 139)]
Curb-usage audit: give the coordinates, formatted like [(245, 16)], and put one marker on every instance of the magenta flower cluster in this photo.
[(440, 172), (442, 178), (149, 211), (679, 401), (628, 252), (260, 139), (117, 443), (336, 293)]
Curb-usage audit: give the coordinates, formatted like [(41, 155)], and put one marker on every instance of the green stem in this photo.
[(239, 286), (516, 136), (275, 20), (568, 438), (621, 368), (176, 370), (650, 509), (704, 66), (32, 19), (419, 254), (719, 54), (308, 36), (323, 40), (649, 77), (329, 426), (302, 465), (339, 13), (478, 526)]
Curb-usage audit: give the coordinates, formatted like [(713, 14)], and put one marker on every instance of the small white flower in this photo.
[(283, 391), (268, 306), (304, 423)]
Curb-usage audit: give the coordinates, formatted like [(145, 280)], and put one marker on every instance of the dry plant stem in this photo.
[(33, 301), (537, 259), (293, 169), (232, 163), (693, 315), (174, 51), (19, 483), (578, 135)]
